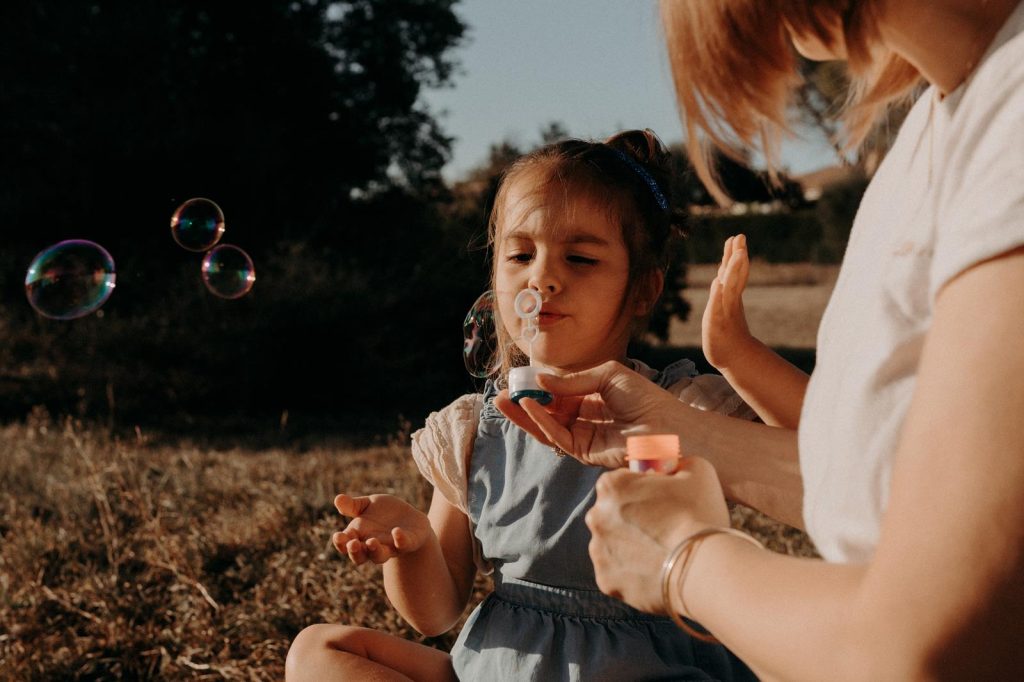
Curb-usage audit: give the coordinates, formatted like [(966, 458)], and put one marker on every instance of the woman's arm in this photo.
[(943, 596), (430, 587), (757, 464)]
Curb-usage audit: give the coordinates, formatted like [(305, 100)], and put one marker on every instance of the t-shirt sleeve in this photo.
[(442, 448), (712, 393), (982, 213)]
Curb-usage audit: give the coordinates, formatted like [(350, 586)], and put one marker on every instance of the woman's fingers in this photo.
[(518, 416), (594, 380), (551, 432)]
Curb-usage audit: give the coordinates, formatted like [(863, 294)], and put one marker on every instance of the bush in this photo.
[(786, 237)]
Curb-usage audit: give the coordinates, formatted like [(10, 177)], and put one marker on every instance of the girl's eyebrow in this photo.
[(570, 238)]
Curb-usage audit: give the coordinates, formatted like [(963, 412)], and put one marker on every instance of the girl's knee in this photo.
[(316, 640)]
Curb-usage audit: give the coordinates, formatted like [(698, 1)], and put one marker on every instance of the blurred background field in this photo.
[(783, 302)]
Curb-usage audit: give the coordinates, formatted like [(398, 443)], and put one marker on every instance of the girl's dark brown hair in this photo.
[(615, 174), (735, 71)]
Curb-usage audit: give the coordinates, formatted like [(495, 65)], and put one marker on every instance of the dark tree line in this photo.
[(303, 120)]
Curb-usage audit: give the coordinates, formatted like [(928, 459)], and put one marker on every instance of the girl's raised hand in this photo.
[(382, 527), (724, 331)]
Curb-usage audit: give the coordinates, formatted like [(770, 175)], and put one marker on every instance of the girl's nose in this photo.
[(544, 280)]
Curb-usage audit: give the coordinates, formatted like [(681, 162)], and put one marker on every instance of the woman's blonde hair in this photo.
[(735, 71), (629, 176)]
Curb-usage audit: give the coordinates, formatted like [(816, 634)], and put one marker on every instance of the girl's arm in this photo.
[(427, 558), (773, 387), (943, 596), (431, 587)]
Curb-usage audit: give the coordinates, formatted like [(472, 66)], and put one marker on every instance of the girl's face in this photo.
[(574, 255)]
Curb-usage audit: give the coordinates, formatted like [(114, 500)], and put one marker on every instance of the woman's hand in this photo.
[(382, 527), (725, 335), (639, 518), (593, 412)]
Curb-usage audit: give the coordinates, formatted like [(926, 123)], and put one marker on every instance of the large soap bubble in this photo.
[(480, 338), (70, 279)]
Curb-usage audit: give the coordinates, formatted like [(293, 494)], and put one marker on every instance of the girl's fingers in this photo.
[(356, 551), (714, 298), (403, 540), (726, 252), (351, 506), (743, 271), (377, 551)]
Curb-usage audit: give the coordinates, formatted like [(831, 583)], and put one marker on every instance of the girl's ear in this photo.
[(649, 292)]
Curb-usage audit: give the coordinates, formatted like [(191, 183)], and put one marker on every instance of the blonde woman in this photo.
[(907, 467)]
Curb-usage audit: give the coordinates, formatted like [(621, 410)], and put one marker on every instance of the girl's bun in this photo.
[(645, 148)]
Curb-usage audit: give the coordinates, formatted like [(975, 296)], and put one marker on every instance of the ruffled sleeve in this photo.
[(441, 449), (712, 393)]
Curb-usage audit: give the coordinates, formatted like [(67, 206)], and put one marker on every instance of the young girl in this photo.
[(588, 226)]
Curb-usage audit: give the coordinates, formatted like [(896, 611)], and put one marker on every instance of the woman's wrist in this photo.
[(689, 561)]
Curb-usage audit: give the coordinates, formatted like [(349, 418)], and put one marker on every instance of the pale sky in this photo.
[(596, 66)]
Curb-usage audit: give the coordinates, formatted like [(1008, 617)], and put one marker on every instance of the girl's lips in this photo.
[(550, 318)]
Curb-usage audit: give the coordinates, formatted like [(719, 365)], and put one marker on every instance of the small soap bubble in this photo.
[(197, 224), (228, 271), (480, 337), (70, 279)]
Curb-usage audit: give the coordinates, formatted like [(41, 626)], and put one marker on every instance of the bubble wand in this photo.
[(522, 381)]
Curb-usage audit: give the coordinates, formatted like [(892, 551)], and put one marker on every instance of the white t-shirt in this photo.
[(949, 194)]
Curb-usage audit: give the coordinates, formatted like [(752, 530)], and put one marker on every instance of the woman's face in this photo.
[(573, 254)]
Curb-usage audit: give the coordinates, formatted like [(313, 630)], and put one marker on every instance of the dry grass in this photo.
[(124, 559), (139, 561)]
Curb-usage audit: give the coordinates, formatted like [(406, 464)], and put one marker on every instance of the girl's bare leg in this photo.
[(344, 652)]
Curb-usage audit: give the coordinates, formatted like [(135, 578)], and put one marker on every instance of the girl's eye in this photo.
[(582, 260), (520, 257)]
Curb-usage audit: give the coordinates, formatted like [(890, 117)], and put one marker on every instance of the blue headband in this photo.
[(648, 179)]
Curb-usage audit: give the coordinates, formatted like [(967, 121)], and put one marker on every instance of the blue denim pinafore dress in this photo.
[(546, 619)]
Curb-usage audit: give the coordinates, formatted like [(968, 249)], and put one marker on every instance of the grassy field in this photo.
[(144, 558)]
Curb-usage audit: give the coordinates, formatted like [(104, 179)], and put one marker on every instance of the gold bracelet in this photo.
[(684, 550)]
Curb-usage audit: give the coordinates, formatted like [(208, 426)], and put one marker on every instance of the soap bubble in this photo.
[(228, 271), (197, 224), (480, 345), (70, 279)]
